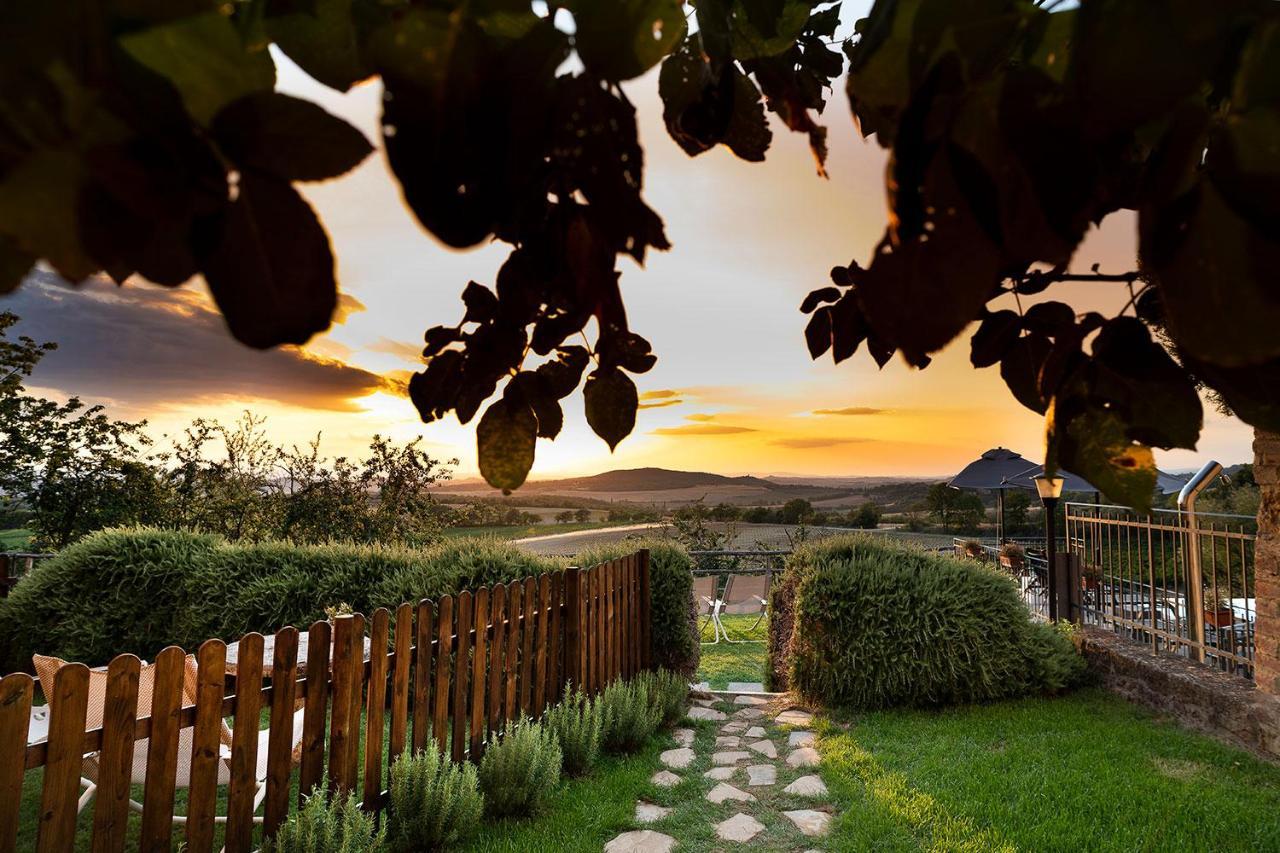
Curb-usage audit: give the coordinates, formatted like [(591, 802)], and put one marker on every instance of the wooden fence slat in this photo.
[(375, 707), (515, 607), (400, 681), (162, 752), (343, 729), (624, 618), (540, 656), (645, 621), (444, 642), (206, 744), (422, 675), (480, 659), (243, 765), (461, 669), (313, 719), (355, 662), (284, 686), (636, 631), (526, 645), (68, 703), (16, 693), (555, 686), (115, 760), (573, 627), (611, 638), (589, 629), (497, 645), (601, 607)]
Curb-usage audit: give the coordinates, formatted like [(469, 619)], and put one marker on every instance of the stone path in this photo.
[(741, 776)]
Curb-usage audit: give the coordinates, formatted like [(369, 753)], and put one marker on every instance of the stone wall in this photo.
[(1266, 470), (1225, 706)]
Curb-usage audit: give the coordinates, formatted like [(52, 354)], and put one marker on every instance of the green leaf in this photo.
[(156, 11), (625, 38), (1092, 442), (206, 61), (14, 265), (288, 137), (505, 440), (611, 402), (701, 110), (324, 44), (38, 211), (751, 41), (268, 263)]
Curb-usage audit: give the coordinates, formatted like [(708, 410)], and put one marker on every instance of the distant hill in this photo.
[(647, 480)]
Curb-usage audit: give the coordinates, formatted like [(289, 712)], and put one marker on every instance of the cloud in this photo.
[(141, 347), (400, 349), (661, 394), (851, 410), (702, 429), (812, 443), (701, 418), (661, 405)]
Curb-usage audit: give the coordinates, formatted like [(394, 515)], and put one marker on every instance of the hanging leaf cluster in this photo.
[(147, 138), (1013, 128)]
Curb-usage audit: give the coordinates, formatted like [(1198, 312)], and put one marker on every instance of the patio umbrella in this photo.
[(1166, 484), (993, 470)]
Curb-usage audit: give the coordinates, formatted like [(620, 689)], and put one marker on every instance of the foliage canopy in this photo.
[(147, 138)]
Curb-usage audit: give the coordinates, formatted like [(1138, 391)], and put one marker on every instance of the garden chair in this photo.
[(47, 667), (745, 594), (704, 593)]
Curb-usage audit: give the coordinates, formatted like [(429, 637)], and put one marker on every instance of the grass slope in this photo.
[(725, 662)]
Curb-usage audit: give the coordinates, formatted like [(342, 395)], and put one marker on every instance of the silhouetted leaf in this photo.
[(995, 336), (157, 11), (268, 264), (205, 59), (505, 439), (1134, 376), (817, 297), (531, 389), (325, 43), (1049, 318), (848, 328), (1020, 369), (38, 204), (817, 332), (611, 402), (1091, 442), (482, 305), (626, 38), (770, 30), (288, 137), (434, 390)]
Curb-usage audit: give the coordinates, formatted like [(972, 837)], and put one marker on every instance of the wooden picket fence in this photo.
[(447, 673)]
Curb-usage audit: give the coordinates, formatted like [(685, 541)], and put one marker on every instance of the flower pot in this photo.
[(1220, 617)]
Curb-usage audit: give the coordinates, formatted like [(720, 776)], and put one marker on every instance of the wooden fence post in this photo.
[(461, 669), (313, 718), (16, 693), (284, 688), (68, 700), (479, 660), (115, 761), (376, 707), (343, 730), (244, 746), (422, 675), (206, 753), (646, 613), (162, 754), (572, 667)]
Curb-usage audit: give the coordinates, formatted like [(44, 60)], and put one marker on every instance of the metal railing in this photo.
[(1030, 569), (1177, 580), (14, 565)]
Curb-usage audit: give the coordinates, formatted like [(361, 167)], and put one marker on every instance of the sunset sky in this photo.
[(734, 390)]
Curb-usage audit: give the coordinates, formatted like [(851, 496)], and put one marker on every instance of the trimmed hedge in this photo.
[(139, 590), (674, 638), (864, 623)]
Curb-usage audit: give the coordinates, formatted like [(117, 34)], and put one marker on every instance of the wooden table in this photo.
[(269, 654)]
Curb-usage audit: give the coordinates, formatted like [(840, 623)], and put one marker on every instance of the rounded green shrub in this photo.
[(630, 715), (577, 724), (519, 773), (674, 640), (434, 802), (868, 624)]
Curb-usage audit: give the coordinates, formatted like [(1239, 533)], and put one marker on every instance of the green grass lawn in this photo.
[(725, 662), (15, 539), (522, 531)]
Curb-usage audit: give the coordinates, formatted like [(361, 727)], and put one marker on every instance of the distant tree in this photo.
[(795, 511), (564, 516), (758, 515), (1017, 505), (726, 512), (866, 516), (943, 503), (582, 515)]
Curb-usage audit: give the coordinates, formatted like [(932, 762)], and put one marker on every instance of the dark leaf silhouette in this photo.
[(288, 137), (505, 439), (611, 402)]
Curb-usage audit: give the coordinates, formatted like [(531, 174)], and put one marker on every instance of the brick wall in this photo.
[(1266, 451)]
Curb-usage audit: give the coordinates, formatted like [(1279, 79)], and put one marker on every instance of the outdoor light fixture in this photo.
[(1050, 489)]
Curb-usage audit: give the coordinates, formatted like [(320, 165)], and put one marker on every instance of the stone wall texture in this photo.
[(1266, 470), (1225, 706)]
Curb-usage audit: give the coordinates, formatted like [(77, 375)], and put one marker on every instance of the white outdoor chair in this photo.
[(709, 606), (47, 668), (745, 594)]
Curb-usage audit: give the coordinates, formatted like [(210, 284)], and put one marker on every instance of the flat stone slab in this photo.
[(805, 756), (740, 827), (754, 732), (794, 717), (721, 774), (728, 742), (684, 737), (704, 686), (745, 687), (750, 700), (724, 792), (677, 759), (650, 812), (807, 786), (706, 703), (810, 822), (801, 739), (708, 714), (735, 728), (641, 841), (765, 748), (729, 757), (747, 713), (761, 774), (665, 779)]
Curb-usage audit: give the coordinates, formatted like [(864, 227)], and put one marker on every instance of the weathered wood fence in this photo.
[(446, 673)]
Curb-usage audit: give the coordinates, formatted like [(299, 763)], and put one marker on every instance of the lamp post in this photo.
[(1050, 490)]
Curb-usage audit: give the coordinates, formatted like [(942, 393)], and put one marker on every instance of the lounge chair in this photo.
[(704, 594), (47, 667), (745, 594)]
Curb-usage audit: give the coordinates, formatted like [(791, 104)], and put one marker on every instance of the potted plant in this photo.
[(973, 549), (1013, 556), (1218, 614)]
